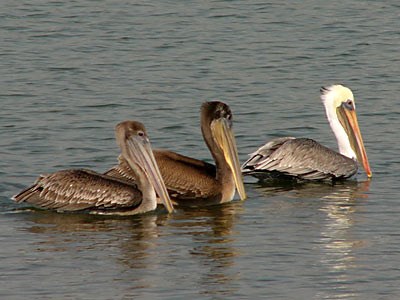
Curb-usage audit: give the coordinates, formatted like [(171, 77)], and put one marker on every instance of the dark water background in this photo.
[(69, 71)]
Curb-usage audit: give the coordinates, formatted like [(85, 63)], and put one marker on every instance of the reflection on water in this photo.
[(338, 202), (147, 252), (83, 229), (343, 190), (139, 245), (115, 245), (211, 230), (337, 240)]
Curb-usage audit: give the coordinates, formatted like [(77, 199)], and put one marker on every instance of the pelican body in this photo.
[(193, 182), (85, 190), (305, 159)]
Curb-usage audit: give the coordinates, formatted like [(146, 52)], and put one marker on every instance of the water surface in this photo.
[(71, 71)]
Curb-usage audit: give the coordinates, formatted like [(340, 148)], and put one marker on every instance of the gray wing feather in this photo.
[(301, 158), (71, 190)]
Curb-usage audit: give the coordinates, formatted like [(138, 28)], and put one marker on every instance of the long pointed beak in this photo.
[(356, 140), (141, 152), (226, 140)]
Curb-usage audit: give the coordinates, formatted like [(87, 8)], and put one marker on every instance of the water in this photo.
[(71, 70)]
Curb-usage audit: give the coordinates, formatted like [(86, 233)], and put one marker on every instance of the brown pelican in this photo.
[(194, 182), (85, 190), (303, 158)]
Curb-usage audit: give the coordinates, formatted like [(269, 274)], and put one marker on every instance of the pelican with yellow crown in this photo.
[(305, 159)]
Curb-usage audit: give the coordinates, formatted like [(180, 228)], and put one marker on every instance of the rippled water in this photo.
[(71, 70)]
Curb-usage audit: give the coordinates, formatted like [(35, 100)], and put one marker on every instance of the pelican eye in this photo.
[(349, 104), (228, 119)]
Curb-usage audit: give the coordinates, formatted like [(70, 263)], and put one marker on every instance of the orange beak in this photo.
[(356, 140)]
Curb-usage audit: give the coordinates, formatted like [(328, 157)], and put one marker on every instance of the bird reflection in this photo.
[(336, 240), (211, 230), (136, 246), (89, 232), (119, 244), (336, 243), (341, 190)]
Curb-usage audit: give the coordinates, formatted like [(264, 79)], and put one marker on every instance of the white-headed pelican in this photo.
[(305, 159)]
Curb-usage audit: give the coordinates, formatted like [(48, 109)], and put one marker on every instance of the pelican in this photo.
[(85, 190), (193, 182), (305, 159)]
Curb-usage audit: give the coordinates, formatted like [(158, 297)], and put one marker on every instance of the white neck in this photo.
[(149, 201), (340, 134)]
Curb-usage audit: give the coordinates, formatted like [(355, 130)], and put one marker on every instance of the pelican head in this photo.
[(217, 117), (136, 149), (340, 110)]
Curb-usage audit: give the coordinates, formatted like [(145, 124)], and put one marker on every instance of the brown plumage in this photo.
[(194, 182), (197, 183), (81, 189)]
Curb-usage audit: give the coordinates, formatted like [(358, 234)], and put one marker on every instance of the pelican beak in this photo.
[(226, 140), (139, 151), (348, 118)]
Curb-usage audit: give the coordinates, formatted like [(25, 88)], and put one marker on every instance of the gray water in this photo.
[(71, 70)]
